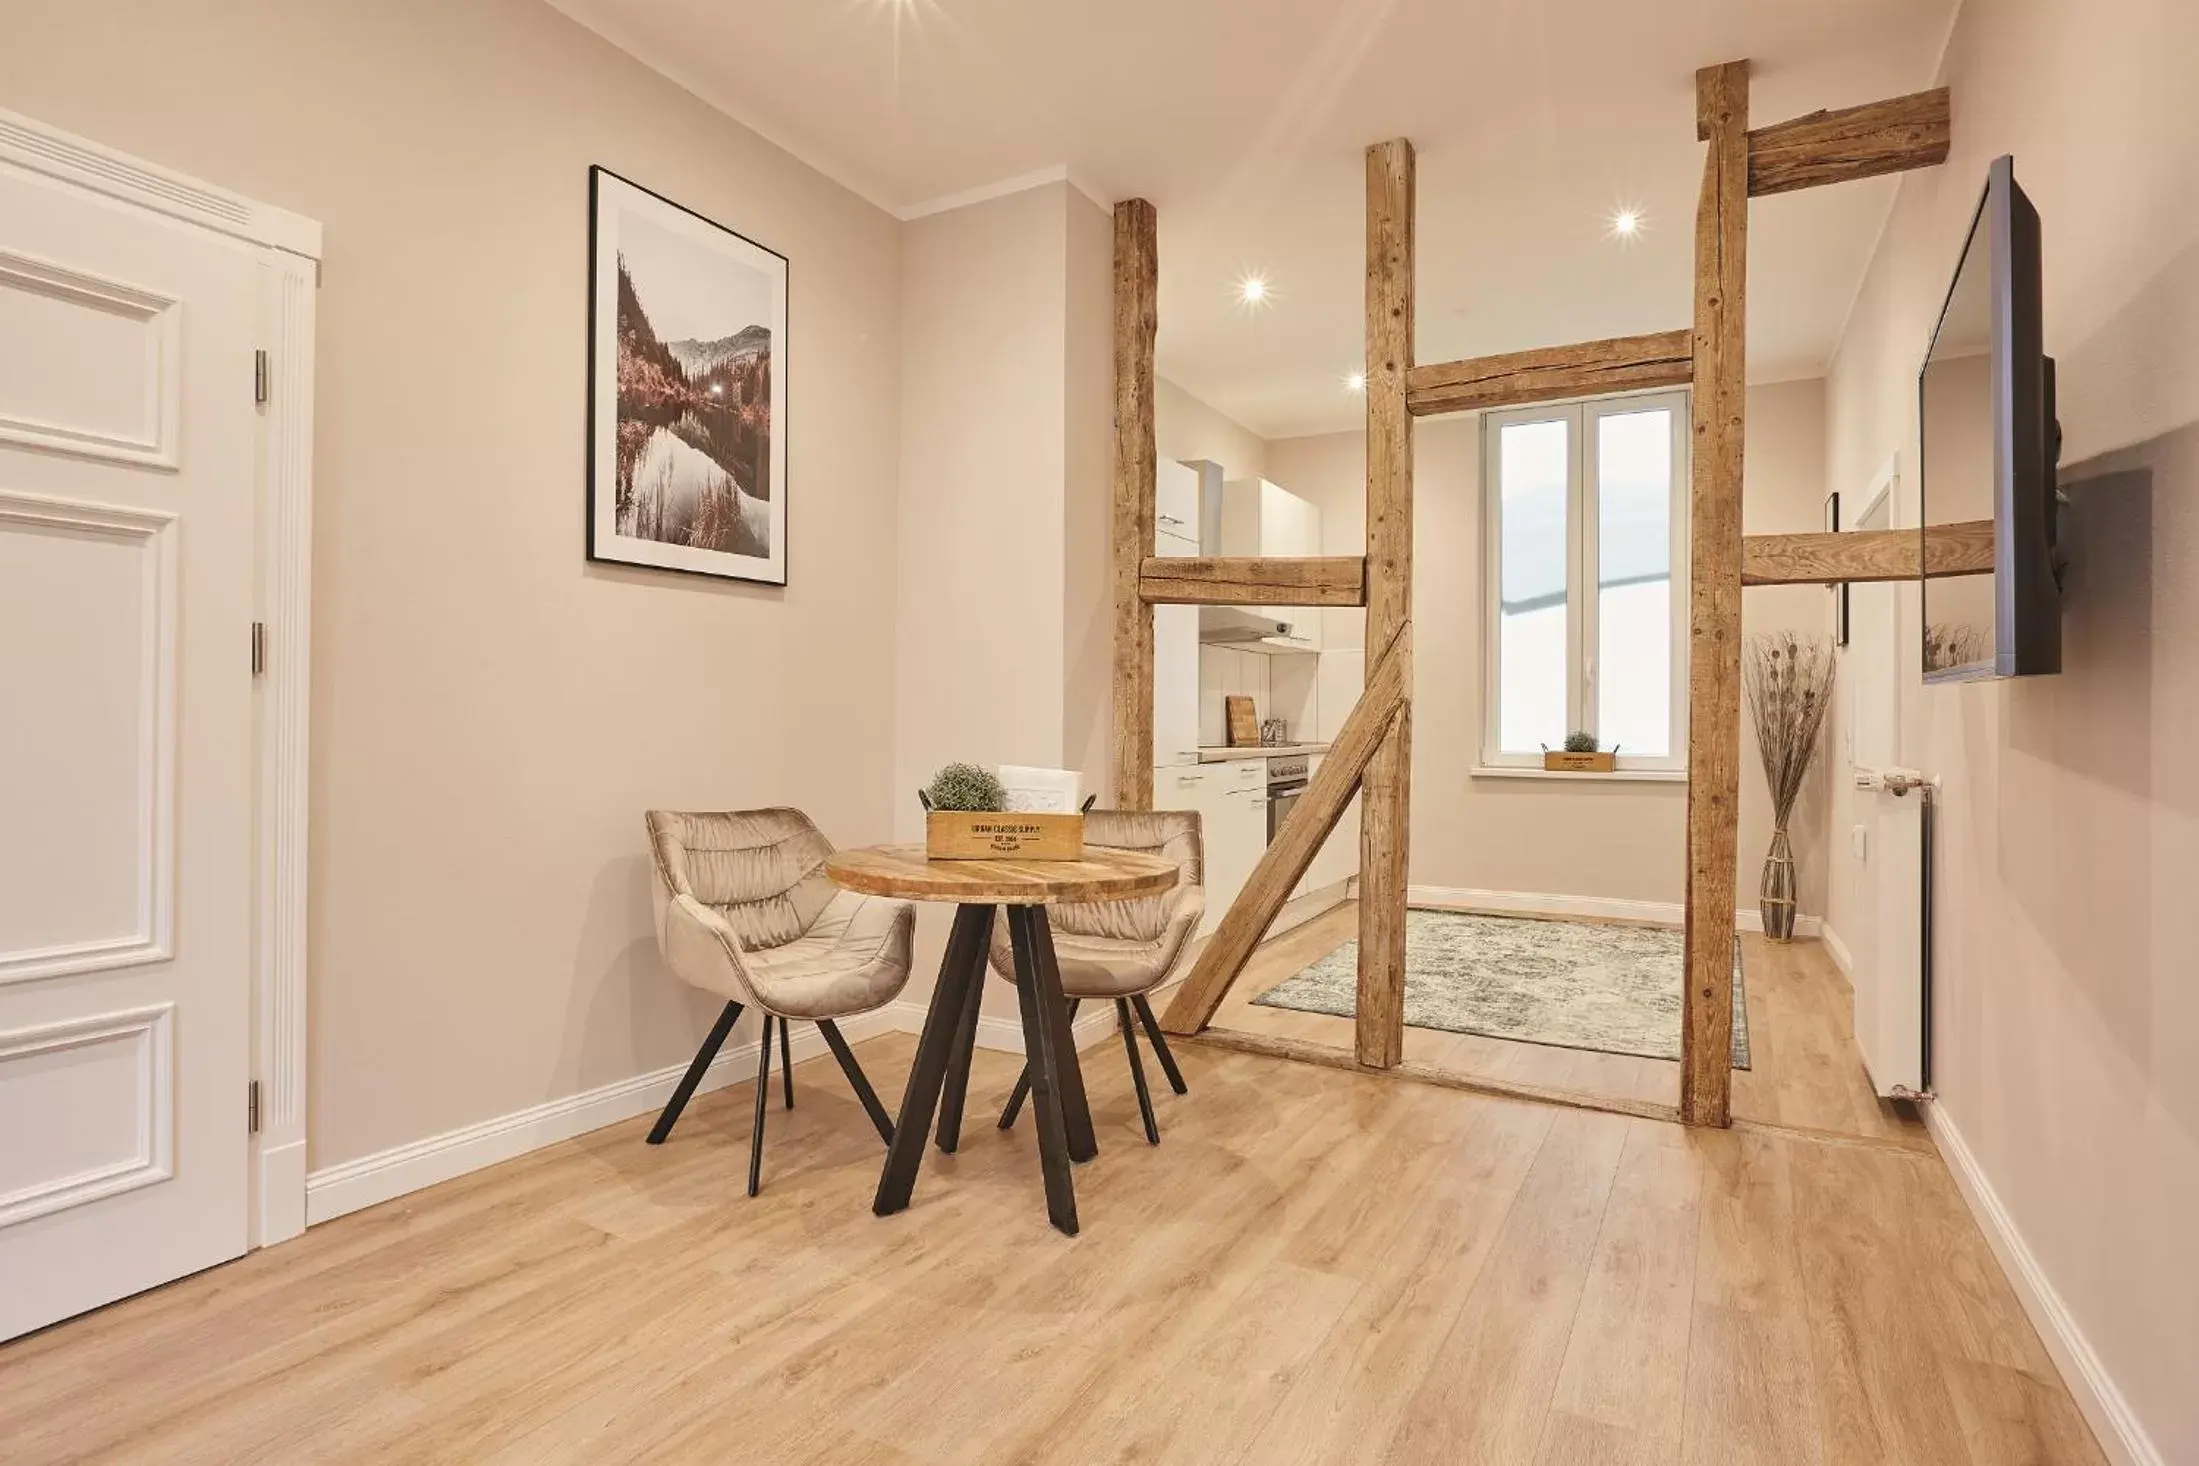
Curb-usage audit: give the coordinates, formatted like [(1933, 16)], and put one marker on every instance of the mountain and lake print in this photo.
[(697, 316)]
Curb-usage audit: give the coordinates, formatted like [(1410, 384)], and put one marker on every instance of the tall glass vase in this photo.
[(1776, 894)]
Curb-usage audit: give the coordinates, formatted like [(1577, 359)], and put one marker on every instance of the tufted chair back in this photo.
[(1172, 834), (763, 870)]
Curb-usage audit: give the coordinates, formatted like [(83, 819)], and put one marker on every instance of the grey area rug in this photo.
[(1571, 984)]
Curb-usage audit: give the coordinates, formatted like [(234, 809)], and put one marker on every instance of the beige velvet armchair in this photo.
[(1122, 950), (744, 910)]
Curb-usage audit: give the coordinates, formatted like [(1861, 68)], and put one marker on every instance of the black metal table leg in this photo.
[(963, 965), (1040, 1043), (958, 1065), (1076, 1110), (1022, 1090)]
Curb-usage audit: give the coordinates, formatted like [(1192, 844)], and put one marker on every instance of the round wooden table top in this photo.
[(904, 871)]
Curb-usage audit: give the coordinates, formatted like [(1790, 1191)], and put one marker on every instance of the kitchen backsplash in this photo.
[(1279, 686)]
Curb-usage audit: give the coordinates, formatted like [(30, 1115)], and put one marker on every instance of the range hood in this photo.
[(1250, 631)]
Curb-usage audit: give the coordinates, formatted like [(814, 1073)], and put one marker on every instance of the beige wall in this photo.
[(1185, 428), (491, 714), (2066, 1031), (1088, 592), (1002, 628), (1615, 840)]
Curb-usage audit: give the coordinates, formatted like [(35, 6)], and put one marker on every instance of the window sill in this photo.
[(1617, 776)]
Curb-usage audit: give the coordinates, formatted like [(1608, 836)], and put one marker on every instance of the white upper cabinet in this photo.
[(1176, 506), (1175, 671), (1175, 628), (1269, 521)]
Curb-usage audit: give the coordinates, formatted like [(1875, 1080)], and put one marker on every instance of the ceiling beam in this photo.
[(1852, 142), (1584, 369), (1322, 580), (1864, 555)]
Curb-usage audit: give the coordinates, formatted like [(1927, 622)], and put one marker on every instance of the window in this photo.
[(1586, 621)]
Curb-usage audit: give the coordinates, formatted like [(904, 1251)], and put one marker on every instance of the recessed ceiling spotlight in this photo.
[(1356, 382), (1626, 223), (1252, 290)]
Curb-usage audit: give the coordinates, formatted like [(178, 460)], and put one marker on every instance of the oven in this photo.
[(1286, 780)]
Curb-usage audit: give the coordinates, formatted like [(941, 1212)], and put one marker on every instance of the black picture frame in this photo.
[(709, 416)]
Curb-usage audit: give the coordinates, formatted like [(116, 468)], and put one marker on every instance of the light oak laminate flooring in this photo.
[(1314, 1266), (1804, 1071)]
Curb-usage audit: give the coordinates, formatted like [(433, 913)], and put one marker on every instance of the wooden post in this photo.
[(1714, 595), (1137, 316), (1386, 789)]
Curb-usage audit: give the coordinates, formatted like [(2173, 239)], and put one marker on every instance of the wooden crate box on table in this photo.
[(956, 834)]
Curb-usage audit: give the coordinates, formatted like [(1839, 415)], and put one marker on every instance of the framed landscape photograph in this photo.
[(686, 390)]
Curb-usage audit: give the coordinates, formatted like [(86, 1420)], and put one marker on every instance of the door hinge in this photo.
[(259, 376), (252, 1107), (259, 648)]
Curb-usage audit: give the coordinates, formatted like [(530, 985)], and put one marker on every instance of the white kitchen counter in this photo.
[(1269, 750)]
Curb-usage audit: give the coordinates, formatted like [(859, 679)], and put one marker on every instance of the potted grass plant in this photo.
[(1787, 680), (1581, 755)]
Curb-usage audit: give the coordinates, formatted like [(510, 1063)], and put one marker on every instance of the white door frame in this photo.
[(289, 249)]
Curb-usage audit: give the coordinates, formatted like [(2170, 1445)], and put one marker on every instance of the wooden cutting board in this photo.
[(1244, 722)]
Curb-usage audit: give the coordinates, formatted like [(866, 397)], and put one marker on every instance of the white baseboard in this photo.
[(1838, 950), (281, 1193), (2113, 1422), (335, 1190), (1604, 908)]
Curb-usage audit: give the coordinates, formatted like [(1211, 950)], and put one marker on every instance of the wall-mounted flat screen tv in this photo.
[(1990, 445)]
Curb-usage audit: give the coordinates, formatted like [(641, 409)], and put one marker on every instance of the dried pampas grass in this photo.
[(1788, 680)]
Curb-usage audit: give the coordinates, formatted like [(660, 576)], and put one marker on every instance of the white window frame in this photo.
[(1581, 416)]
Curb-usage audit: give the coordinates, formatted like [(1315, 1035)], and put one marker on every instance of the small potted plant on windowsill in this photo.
[(963, 820), (1580, 756)]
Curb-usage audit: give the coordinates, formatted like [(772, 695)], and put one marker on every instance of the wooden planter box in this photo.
[(953, 834), (1580, 763)]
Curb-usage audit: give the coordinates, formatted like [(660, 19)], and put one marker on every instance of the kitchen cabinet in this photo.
[(1338, 859), (1176, 501), (1175, 628), (1231, 800), (1175, 673), (1268, 521)]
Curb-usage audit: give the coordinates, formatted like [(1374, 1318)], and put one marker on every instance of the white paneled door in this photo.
[(128, 453)]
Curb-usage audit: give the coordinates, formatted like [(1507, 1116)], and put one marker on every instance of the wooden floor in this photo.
[(1804, 1070), (1315, 1266)]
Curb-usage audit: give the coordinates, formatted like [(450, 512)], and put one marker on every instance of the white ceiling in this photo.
[(1244, 122)]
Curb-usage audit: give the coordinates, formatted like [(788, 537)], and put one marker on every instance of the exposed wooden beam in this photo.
[(1853, 142), (1714, 594), (1385, 811), (1137, 316), (1294, 846), (1305, 1051), (1871, 554), (1620, 364), (1323, 580)]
